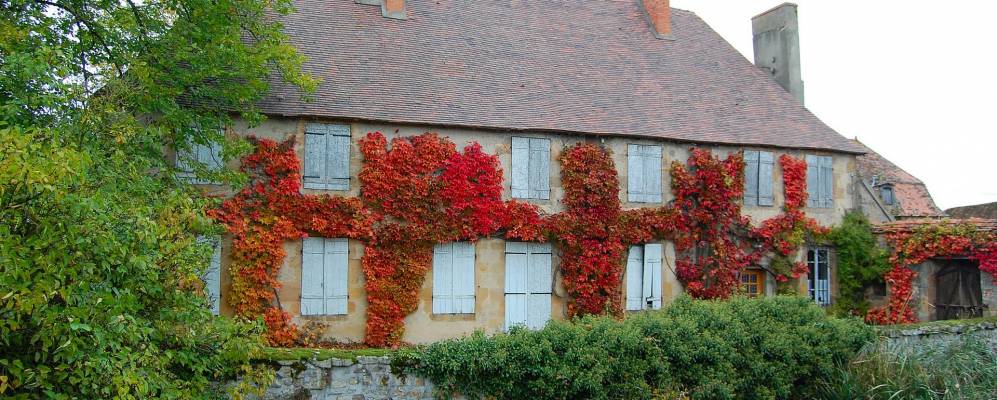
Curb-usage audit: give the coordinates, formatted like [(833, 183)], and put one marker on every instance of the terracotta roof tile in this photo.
[(912, 196), (988, 210), (909, 225), (582, 66)]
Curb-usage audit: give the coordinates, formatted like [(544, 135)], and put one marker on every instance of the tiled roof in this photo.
[(580, 66), (912, 196), (987, 210), (909, 225)]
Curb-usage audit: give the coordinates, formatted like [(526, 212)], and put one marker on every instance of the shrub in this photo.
[(735, 349), (861, 263), (961, 369)]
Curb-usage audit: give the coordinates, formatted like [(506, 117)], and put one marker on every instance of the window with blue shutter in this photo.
[(453, 278), (324, 276), (207, 156), (820, 181), (528, 284), (758, 167), (819, 275), (530, 168), (643, 173), (643, 277), (212, 276), (327, 157)]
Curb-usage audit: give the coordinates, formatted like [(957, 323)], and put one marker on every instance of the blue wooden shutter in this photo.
[(813, 181), (463, 279), (338, 153), (516, 267), (766, 163), (750, 178), (316, 148), (443, 279), (539, 285), (652, 174), (520, 168), (635, 173), (651, 288), (827, 182), (335, 280), (312, 276), (635, 278), (212, 276), (539, 168)]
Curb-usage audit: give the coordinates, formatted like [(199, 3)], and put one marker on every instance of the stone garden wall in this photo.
[(367, 378), (942, 333)]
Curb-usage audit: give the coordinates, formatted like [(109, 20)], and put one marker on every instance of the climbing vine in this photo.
[(929, 240), (420, 191)]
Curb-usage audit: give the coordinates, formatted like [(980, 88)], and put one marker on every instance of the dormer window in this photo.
[(886, 193)]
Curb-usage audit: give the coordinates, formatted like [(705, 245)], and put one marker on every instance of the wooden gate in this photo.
[(957, 290)]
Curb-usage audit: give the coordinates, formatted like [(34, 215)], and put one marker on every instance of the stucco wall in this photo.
[(423, 326)]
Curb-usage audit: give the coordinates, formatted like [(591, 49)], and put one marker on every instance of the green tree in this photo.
[(100, 293), (861, 263)]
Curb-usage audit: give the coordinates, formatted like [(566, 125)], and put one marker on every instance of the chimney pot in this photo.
[(660, 14)]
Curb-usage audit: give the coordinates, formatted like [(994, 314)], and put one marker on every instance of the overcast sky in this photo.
[(914, 80)]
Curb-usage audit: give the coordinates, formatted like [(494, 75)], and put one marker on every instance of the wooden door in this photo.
[(957, 290)]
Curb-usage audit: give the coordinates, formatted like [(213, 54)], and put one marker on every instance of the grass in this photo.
[(960, 369)]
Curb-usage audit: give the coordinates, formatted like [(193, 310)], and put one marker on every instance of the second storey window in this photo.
[(820, 182), (530, 168), (327, 157), (453, 278), (208, 156), (324, 266), (644, 173), (528, 282), (758, 178), (819, 275), (644, 277)]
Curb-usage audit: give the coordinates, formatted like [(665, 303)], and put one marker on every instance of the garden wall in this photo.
[(367, 378), (943, 331)]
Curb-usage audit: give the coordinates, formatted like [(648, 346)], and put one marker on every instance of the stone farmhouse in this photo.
[(526, 79)]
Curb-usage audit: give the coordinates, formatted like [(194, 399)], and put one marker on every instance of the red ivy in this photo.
[(942, 239)]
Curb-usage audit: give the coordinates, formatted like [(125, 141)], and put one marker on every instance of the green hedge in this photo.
[(735, 349)]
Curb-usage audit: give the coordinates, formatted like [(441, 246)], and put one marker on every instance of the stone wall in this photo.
[(942, 333), (367, 378)]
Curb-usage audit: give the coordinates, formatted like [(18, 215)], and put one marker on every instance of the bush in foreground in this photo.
[(734, 349)]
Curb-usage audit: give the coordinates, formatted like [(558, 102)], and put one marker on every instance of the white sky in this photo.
[(914, 80)]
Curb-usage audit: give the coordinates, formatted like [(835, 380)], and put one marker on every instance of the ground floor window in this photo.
[(819, 275), (453, 278), (324, 268), (212, 277), (528, 284), (644, 277), (753, 282)]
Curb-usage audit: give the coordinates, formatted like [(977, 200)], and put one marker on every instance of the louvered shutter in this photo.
[(316, 147), (766, 162), (338, 164), (652, 174), (212, 276), (539, 286), (635, 278), (813, 181), (516, 267), (635, 173), (539, 168), (520, 168), (827, 182), (463, 279), (651, 289), (336, 265), (312, 276), (750, 178), (443, 279)]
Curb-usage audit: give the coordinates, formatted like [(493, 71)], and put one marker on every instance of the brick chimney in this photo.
[(394, 9), (777, 47), (660, 15)]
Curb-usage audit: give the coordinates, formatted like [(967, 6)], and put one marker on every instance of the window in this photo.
[(644, 173), (753, 282), (327, 157), (758, 178), (208, 155), (212, 276), (644, 277), (453, 278), (818, 275), (886, 193), (324, 266), (820, 182), (530, 168), (528, 282)]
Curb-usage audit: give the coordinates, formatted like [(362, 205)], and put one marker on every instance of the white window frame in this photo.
[(324, 276), (529, 283), (820, 292), (530, 168), (643, 277), (644, 173), (453, 278), (326, 161)]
